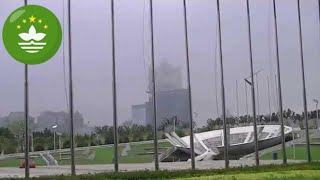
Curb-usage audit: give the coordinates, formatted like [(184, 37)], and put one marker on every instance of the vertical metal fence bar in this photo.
[(223, 100)]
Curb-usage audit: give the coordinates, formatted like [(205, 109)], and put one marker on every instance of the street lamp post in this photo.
[(32, 146), (59, 135), (317, 102), (54, 136)]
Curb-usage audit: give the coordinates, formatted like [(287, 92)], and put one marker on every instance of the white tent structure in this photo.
[(209, 145)]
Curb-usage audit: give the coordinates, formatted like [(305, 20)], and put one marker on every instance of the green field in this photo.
[(298, 153), (143, 153), (295, 175), (139, 153), (16, 162)]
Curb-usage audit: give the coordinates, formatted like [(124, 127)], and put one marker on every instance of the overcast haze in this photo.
[(92, 56)]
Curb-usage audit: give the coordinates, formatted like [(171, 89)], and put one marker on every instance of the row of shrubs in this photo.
[(188, 173)]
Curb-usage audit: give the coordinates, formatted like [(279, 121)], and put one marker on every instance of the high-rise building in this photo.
[(169, 103), (171, 97), (138, 114), (48, 119)]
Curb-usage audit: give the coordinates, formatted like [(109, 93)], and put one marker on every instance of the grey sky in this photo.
[(92, 55)]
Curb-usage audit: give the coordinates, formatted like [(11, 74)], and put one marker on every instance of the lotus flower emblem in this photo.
[(30, 46)]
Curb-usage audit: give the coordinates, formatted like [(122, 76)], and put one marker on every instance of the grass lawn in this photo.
[(300, 153), (10, 163), (103, 155), (16, 162), (139, 153), (298, 174), (143, 153)]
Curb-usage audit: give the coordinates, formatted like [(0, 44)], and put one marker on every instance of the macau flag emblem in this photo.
[(32, 34)]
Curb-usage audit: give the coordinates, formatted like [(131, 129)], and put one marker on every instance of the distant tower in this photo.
[(171, 97)]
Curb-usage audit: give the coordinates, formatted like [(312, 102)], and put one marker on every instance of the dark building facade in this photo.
[(169, 103), (138, 114)]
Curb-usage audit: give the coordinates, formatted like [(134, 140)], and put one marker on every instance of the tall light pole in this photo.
[(237, 96), (114, 91), (304, 84), (254, 74), (223, 100), (269, 96), (317, 102), (216, 77), (174, 123), (193, 166), (258, 100), (154, 103), (195, 124), (73, 168), (319, 9), (32, 146), (279, 84), (247, 109), (252, 89), (276, 91), (59, 135), (54, 136)]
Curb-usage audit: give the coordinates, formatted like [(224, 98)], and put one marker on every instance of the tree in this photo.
[(8, 143), (18, 129), (167, 125)]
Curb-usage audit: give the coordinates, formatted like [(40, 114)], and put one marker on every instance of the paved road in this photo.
[(85, 169)]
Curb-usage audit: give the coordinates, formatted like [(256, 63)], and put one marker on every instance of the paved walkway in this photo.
[(86, 169)]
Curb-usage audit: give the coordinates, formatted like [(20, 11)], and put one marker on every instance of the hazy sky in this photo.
[(91, 35)]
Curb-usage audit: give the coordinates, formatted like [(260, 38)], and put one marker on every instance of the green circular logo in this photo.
[(32, 34)]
